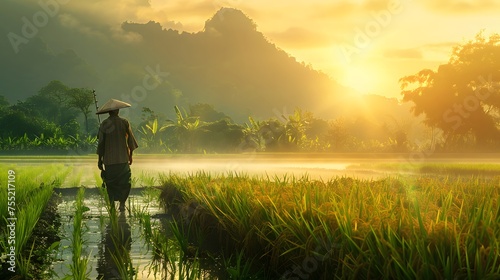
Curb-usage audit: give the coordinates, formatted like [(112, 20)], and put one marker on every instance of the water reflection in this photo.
[(114, 250)]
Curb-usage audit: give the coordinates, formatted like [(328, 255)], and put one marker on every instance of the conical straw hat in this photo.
[(112, 105)]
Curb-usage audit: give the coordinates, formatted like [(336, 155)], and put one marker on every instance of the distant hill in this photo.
[(229, 64)]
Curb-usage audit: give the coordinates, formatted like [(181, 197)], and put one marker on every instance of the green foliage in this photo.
[(183, 130), (206, 113), (151, 139), (220, 136), (71, 127), (462, 97), (54, 144), (81, 99), (4, 106), (33, 190), (298, 132), (393, 228), (18, 124), (79, 265), (53, 110)]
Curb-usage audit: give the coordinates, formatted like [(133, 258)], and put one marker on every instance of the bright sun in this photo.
[(363, 78)]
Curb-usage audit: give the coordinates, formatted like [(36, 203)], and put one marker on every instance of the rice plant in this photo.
[(27, 218), (173, 255), (79, 265), (32, 189), (397, 227), (147, 179), (238, 267), (120, 251), (118, 245)]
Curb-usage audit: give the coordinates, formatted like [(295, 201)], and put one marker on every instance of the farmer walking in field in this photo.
[(115, 147)]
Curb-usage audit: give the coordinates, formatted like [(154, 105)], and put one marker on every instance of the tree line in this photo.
[(460, 105), (55, 119), (60, 119)]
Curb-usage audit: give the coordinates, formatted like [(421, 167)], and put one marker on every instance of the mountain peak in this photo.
[(230, 21)]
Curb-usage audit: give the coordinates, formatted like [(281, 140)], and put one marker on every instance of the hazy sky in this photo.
[(364, 44)]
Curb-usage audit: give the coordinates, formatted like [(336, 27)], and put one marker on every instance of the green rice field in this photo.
[(254, 217)]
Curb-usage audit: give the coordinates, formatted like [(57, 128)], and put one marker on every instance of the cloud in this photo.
[(75, 24), (99, 18), (87, 16), (194, 13), (344, 9), (462, 6), (190, 8), (444, 46), (404, 53), (298, 37), (433, 51), (71, 22)]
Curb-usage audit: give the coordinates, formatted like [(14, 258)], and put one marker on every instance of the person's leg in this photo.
[(118, 183), (125, 188), (122, 206)]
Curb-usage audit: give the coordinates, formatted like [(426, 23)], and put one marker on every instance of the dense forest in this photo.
[(61, 119)]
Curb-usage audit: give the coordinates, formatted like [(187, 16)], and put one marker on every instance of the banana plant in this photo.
[(151, 135), (184, 129)]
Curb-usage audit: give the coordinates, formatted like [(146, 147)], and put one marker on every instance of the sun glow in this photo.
[(363, 78)]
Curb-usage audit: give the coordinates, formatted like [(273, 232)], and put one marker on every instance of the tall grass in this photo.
[(27, 218), (394, 228), (33, 189)]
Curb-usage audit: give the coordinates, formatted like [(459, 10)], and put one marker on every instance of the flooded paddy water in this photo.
[(98, 245)]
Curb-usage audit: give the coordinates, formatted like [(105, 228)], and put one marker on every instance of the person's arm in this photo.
[(131, 143), (100, 150), (130, 156)]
